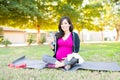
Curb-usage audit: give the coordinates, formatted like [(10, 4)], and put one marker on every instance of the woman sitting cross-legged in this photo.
[(66, 42)]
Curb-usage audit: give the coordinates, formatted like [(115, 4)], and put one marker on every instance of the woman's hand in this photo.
[(51, 40), (51, 45)]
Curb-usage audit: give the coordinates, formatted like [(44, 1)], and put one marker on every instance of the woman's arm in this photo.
[(76, 43), (52, 46)]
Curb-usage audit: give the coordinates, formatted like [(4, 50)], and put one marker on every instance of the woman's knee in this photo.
[(44, 57), (49, 59), (71, 62)]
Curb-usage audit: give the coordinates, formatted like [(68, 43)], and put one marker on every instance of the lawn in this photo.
[(100, 52)]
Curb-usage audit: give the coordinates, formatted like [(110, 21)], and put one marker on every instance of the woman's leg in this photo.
[(52, 60), (71, 62), (49, 59)]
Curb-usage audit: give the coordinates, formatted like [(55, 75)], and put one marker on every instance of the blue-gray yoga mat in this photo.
[(87, 65), (35, 64), (101, 66)]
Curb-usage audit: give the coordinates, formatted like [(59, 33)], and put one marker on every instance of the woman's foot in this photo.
[(67, 67), (59, 64)]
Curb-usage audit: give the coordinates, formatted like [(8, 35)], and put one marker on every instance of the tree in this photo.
[(45, 14), (112, 19), (1, 34), (14, 11), (19, 13), (117, 18)]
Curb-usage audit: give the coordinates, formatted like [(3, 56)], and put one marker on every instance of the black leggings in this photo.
[(52, 60)]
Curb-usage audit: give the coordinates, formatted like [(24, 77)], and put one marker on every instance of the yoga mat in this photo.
[(35, 64), (87, 65), (100, 66)]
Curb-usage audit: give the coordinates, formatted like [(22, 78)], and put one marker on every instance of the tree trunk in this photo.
[(38, 34), (79, 33), (118, 34)]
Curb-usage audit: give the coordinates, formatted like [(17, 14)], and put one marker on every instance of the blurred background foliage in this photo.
[(85, 14)]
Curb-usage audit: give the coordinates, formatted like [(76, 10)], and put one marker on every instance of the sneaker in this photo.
[(67, 67)]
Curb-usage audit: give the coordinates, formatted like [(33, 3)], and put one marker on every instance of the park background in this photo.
[(36, 21), (27, 26)]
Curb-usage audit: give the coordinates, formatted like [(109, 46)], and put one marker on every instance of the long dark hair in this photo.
[(61, 32)]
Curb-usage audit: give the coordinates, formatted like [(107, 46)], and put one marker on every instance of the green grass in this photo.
[(104, 52)]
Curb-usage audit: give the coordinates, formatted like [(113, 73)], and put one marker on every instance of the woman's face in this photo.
[(65, 25)]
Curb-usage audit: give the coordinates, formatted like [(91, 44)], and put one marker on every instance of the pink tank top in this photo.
[(64, 47)]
